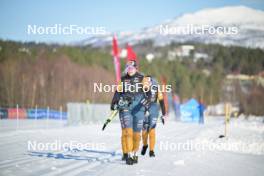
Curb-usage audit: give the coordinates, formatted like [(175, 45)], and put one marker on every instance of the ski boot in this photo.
[(151, 153), (124, 157), (144, 149), (129, 160), (135, 159)]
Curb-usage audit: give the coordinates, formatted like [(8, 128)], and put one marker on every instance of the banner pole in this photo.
[(17, 117)]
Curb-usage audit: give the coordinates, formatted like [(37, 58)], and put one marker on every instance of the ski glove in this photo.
[(147, 113)]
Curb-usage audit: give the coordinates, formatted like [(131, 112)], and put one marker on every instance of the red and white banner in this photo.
[(115, 52)]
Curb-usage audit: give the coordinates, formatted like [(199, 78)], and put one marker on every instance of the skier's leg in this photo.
[(153, 117), (138, 116), (137, 127), (128, 138), (145, 142), (136, 142), (152, 141), (145, 136), (127, 134), (124, 147), (145, 131)]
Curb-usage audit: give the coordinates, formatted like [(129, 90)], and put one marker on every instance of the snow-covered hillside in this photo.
[(249, 24), (101, 156)]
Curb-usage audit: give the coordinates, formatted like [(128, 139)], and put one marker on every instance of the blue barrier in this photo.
[(37, 114), (43, 114), (3, 113), (190, 111)]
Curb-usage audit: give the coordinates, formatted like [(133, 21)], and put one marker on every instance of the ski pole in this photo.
[(162, 119), (110, 118)]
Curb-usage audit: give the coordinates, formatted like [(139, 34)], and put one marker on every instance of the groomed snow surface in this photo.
[(53, 148)]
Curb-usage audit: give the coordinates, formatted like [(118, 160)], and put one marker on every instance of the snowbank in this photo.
[(244, 135)]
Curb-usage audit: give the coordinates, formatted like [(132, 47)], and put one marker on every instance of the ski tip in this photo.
[(103, 127)]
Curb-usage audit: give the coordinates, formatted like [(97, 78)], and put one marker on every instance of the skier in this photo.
[(132, 115), (201, 111), (153, 96)]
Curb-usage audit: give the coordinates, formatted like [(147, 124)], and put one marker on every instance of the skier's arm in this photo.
[(115, 101), (116, 97), (162, 104), (146, 103), (147, 97)]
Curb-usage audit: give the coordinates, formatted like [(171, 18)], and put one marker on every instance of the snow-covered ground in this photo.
[(181, 149)]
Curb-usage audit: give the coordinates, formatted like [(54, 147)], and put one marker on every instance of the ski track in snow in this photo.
[(15, 159)]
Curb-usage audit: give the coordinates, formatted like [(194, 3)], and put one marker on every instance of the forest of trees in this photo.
[(52, 75)]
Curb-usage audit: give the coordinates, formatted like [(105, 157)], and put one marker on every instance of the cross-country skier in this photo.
[(201, 111), (132, 115), (154, 95)]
